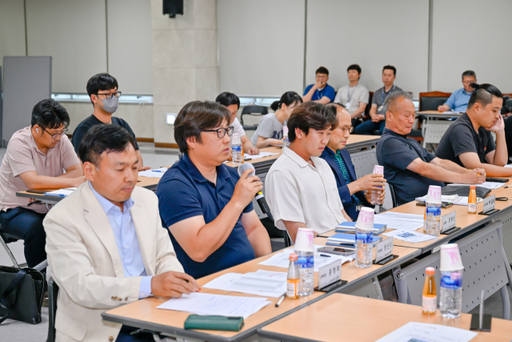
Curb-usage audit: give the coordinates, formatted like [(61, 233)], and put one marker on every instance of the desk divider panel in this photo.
[(364, 162)]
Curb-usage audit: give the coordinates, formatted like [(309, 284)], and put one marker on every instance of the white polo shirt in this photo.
[(298, 192)]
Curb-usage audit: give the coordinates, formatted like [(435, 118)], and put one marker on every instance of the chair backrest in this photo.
[(368, 106), (393, 195), (4, 240), (507, 104), (432, 99), (53, 290), (253, 110)]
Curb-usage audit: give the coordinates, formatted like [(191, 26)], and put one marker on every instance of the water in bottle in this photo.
[(364, 238), (236, 149), (293, 278), (429, 297), (375, 198), (433, 211), (450, 299), (286, 141), (306, 264)]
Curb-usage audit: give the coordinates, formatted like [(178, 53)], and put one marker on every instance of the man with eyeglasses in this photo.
[(204, 203), (35, 159), (354, 193), (409, 167), (104, 94), (458, 101)]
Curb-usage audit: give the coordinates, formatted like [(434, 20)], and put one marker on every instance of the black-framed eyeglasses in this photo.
[(221, 132), (111, 95), (56, 135), (344, 130)]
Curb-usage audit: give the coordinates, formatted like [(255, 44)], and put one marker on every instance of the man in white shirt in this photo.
[(300, 186), (354, 96)]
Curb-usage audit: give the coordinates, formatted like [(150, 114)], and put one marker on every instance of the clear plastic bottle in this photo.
[(286, 141), (364, 247), (293, 278), (472, 200), (450, 294), (236, 149), (306, 264), (433, 219), (375, 195), (429, 297)]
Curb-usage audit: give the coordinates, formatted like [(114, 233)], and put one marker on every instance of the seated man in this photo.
[(378, 109), (35, 159), (104, 95), (349, 187), (458, 101), (300, 187), (320, 91), (205, 204), (354, 96), (468, 141), (409, 167), (232, 101), (105, 243)]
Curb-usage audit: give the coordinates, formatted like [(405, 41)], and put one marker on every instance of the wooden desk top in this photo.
[(438, 113), (341, 317), (361, 138)]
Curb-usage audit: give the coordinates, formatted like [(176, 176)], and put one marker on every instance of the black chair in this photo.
[(253, 110), (432, 100), (53, 290), (6, 239), (393, 195)]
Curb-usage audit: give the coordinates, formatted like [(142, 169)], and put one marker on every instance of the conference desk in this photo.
[(340, 317), (432, 128)]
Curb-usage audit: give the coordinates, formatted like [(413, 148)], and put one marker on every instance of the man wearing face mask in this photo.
[(104, 94)]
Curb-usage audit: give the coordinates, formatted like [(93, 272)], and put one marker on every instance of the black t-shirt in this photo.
[(84, 126), (395, 152), (461, 137)]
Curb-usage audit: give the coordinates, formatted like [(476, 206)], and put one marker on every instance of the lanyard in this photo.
[(383, 92), (320, 94), (349, 95)]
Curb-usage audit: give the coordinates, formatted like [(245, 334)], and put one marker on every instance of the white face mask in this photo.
[(109, 105)]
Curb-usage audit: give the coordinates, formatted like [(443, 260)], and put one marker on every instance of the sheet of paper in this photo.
[(487, 185), (283, 259), (154, 173), (399, 220), (425, 332), (409, 236), (61, 192), (256, 156), (454, 199), (450, 112), (261, 283), (213, 304), (508, 165), (444, 198)]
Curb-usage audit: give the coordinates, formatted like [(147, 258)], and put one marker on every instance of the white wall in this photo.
[(12, 29)]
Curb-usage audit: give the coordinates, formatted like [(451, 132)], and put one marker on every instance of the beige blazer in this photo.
[(86, 264)]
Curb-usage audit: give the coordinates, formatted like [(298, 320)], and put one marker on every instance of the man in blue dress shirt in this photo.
[(458, 101), (320, 91)]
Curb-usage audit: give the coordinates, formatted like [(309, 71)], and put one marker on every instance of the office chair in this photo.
[(393, 195), (53, 290), (432, 99), (253, 110), (6, 239)]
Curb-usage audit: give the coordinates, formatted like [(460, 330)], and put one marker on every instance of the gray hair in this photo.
[(393, 97)]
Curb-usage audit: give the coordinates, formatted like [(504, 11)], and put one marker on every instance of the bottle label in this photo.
[(472, 207), (237, 148), (306, 262), (292, 289), (363, 237), (429, 304), (434, 210), (452, 281)]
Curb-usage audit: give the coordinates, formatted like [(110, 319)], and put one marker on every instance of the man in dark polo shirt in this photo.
[(468, 141), (407, 165), (204, 203)]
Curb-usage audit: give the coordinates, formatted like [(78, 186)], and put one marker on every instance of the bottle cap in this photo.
[(430, 271), (294, 257), (450, 258), (378, 169), (304, 240), (235, 138), (434, 194), (472, 187), (365, 218)]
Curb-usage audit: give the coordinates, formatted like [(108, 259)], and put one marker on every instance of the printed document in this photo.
[(399, 220), (153, 173), (257, 156), (261, 283), (487, 185), (425, 332), (409, 236)]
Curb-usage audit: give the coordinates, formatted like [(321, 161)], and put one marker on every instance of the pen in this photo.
[(507, 186), (325, 255), (57, 195), (156, 171), (280, 300)]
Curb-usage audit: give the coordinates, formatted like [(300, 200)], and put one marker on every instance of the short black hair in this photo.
[(389, 67), (311, 115), (101, 81), (49, 114), (322, 70), (103, 138), (228, 99), (355, 67), (468, 73), (196, 116), (483, 94), (288, 98)]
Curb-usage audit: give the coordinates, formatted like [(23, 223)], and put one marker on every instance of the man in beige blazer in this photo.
[(105, 243)]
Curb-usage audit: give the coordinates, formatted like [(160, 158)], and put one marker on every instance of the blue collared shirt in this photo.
[(126, 240), (458, 101)]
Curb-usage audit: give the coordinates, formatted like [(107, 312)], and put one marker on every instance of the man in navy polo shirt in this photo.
[(204, 203), (320, 91)]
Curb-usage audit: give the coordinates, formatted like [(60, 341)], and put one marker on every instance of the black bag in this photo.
[(463, 190), (21, 294)]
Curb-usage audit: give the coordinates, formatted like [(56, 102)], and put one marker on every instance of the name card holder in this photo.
[(489, 203)]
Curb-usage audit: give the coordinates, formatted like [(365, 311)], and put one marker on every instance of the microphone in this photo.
[(259, 196)]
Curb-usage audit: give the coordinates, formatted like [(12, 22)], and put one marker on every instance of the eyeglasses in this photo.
[(56, 135), (221, 132), (111, 95), (344, 130)]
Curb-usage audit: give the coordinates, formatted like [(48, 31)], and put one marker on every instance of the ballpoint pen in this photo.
[(280, 300)]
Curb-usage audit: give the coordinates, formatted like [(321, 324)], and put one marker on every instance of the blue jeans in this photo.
[(27, 225), (124, 335), (368, 127)]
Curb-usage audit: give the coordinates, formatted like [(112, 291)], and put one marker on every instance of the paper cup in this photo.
[(365, 219), (450, 258), (304, 240), (378, 169), (434, 194)]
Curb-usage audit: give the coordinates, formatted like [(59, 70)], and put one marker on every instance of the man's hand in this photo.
[(246, 188), (253, 150), (144, 168), (372, 181), (368, 195), (498, 126), (476, 176), (173, 284), (318, 85), (443, 108), (377, 117)]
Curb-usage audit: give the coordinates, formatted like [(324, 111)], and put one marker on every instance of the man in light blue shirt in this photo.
[(458, 101)]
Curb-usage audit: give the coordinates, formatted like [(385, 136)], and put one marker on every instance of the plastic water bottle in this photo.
[(364, 238), (286, 141), (236, 149), (375, 198), (433, 211), (306, 263), (450, 299)]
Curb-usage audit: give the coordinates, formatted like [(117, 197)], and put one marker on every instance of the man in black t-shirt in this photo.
[(409, 167), (103, 92), (468, 141)]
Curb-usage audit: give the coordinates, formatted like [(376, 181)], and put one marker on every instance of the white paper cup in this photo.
[(304, 240), (450, 258), (365, 218), (378, 169), (434, 194)]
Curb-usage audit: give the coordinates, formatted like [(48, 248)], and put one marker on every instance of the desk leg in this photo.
[(377, 287), (401, 285)]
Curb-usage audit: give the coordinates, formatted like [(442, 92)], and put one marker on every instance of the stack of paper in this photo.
[(487, 185), (261, 283), (454, 199), (414, 331), (257, 156), (61, 192), (154, 173), (399, 220), (409, 236), (213, 304)]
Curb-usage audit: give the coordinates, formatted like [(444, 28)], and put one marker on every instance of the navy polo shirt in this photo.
[(182, 193), (395, 152)]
